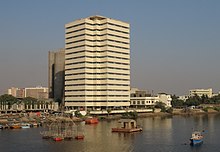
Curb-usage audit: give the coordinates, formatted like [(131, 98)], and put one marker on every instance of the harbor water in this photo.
[(160, 134)]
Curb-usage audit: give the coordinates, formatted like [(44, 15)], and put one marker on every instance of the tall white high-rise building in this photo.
[(97, 63)]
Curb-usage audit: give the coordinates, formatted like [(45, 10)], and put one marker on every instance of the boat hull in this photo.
[(15, 127), (78, 137), (126, 130), (196, 142), (25, 127), (91, 121), (57, 138)]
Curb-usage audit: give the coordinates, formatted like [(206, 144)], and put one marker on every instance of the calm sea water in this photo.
[(160, 134)]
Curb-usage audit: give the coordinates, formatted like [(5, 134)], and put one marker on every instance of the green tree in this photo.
[(131, 115), (78, 114), (108, 111), (29, 102), (176, 102), (7, 100), (193, 101), (215, 99), (204, 99), (161, 105)]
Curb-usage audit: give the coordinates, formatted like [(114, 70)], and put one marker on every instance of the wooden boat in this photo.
[(197, 138), (91, 120), (78, 137), (15, 126), (127, 126), (57, 138)]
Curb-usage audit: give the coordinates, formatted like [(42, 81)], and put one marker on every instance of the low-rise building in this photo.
[(37, 92), (142, 99), (201, 92), (34, 92), (16, 92), (47, 105)]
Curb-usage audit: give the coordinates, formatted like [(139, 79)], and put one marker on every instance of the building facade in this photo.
[(37, 92), (97, 63), (56, 62), (34, 92), (44, 106), (17, 92), (201, 92), (142, 99)]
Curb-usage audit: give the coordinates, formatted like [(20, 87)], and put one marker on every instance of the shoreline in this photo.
[(9, 118)]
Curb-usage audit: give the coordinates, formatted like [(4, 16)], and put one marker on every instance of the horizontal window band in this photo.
[(93, 30), (96, 95), (106, 51), (68, 48), (85, 45), (97, 63), (94, 57), (84, 73), (106, 40), (99, 101), (95, 90), (97, 85), (85, 23), (96, 68), (100, 35), (95, 79)]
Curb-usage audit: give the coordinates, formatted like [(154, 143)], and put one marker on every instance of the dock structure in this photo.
[(59, 130), (127, 126)]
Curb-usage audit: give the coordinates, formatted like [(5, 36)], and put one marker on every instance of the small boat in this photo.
[(1, 126), (35, 124), (79, 137), (127, 126), (15, 126), (91, 120), (25, 125), (197, 138), (57, 138)]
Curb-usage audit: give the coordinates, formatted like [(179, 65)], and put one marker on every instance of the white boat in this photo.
[(197, 138), (25, 125)]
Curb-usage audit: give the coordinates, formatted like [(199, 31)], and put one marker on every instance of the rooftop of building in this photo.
[(99, 17)]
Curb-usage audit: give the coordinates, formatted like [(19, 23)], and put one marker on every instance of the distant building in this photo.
[(35, 92), (44, 106), (56, 65), (139, 93), (142, 99), (165, 98), (201, 92), (13, 91), (97, 63), (17, 92)]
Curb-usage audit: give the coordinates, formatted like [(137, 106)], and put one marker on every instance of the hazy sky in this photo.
[(175, 44)]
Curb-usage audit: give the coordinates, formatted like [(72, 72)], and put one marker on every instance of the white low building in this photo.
[(140, 99), (201, 92)]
